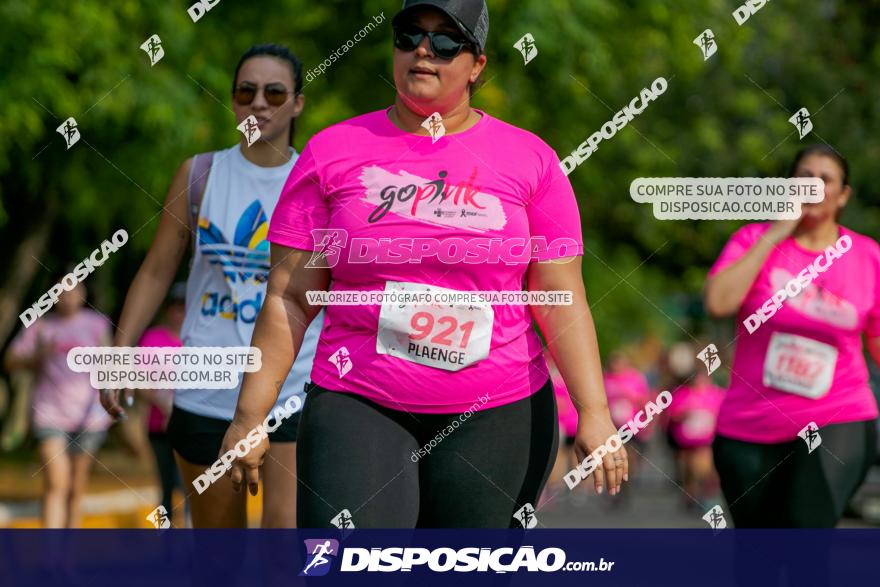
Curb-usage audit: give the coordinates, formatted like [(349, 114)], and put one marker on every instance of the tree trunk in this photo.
[(23, 268)]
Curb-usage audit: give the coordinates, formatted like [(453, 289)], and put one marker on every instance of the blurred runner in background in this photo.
[(797, 429), (628, 392), (566, 459), (67, 420), (690, 423), (161, 401)]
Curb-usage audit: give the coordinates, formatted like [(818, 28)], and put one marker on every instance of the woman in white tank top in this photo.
[(226, 287)]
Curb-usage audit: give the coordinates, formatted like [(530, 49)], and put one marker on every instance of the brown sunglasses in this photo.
[(275, 94)]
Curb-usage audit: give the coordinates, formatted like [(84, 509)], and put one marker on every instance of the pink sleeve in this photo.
[(553, 213), (153, 337), (103, 329), (25, 342), (741, 241), (872, 324), (302, 206)]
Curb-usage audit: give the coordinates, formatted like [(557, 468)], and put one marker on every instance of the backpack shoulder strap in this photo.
[(198, 180)]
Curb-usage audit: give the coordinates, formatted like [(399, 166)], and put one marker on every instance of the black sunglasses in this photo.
[(443, 45), (275, 94)]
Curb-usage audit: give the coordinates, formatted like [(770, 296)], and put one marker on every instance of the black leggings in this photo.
[(169, 477), (784, 486), (354, 454)]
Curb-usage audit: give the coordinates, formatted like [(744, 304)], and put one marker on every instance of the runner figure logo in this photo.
[(801, 121), (706, 42), (434, 126), (343, 520), (710, 358), (328, 243), (526, 516), (250, 130), (159, 518), (318, 556), (715, 518), (527, 47), (153, 48), (69, 131), (810, 434), (342, 359)]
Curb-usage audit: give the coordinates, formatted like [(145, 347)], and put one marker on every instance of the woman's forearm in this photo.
[(15, 362), (142, 301), (726, 290), (278, 333), (153, 279), (571, 339)]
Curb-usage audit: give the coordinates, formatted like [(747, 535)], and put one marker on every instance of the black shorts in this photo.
[(782, 485), (198, 438), (671, 442), (395, 469)]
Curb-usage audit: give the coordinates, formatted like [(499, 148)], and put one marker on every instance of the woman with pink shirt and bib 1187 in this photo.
[(439, 415), (796, 432)]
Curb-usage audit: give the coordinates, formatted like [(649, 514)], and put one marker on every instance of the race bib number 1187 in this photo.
[(799, 365)]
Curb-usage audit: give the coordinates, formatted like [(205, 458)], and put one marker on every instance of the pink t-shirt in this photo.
[(693, 414), (801, 339), (365, 178), (61, 398), (159, 336), (627, 392)]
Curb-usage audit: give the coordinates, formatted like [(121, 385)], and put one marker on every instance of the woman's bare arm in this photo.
[(278, 333), (279, 330), (726, 290), (571, 340), (153, 279)]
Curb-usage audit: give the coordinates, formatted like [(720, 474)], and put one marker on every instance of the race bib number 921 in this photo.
[(445, 336)]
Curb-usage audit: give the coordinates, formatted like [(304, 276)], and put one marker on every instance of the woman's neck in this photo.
[(817, 237), (267, 154), (458, 119), (66, 315)]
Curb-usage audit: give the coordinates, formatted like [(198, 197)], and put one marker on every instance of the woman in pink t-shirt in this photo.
[(69, 423), (161, 401), (796, 431), (690, 423), (428, 414), (628, 393)]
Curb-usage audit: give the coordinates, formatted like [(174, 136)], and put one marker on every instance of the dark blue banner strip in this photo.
[(249, 558)]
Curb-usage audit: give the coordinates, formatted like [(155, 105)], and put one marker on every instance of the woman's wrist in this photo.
[(591, 408), (246, 420)]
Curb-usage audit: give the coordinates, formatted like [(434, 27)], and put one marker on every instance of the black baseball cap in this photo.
[(470, 16)]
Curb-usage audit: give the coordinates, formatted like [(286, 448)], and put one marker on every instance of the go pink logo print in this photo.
[(441, 201)]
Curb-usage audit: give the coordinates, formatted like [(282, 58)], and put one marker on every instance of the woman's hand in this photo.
[(246, 468), (594, 430), (110, 402), (42, 353), (726, 291), (781, 230)]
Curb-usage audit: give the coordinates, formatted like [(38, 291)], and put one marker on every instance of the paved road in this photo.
[(122, 493), (653, 501)]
